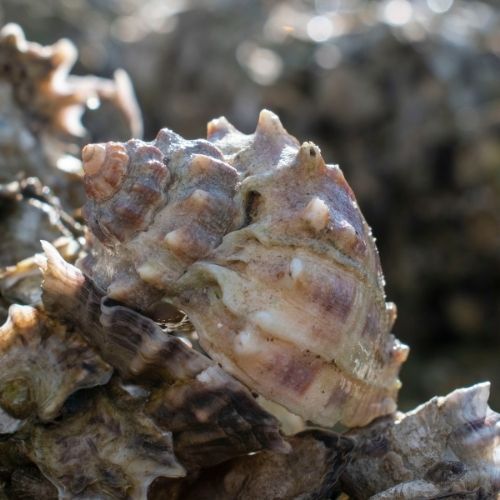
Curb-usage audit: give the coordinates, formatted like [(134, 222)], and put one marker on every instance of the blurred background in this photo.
[(404, 95)]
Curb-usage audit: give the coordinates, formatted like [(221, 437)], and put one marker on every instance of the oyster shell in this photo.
[(102, 451), (264, 247), (42, 363), (447, 446)]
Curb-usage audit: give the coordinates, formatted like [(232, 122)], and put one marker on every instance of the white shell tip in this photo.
[(317, 214)]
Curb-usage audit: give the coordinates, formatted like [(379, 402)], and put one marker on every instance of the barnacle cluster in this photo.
[(223, 286)]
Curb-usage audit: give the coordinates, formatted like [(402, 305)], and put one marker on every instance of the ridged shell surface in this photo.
[(448, 447), (42, 364), (105, 452), (264, 247), (154, 209)]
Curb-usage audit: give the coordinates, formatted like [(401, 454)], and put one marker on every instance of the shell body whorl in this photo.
[(264, 247), (124, 184)]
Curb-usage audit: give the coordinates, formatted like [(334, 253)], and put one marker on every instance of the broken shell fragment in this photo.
[(264, 247), (42, 363)]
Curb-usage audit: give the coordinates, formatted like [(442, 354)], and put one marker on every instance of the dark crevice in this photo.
[(252, 205)]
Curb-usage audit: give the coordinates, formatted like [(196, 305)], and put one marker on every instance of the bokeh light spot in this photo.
[(319, 29), (328, 56), (440, 6), (397, 12)]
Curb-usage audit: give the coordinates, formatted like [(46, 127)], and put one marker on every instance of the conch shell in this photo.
[(264, 247)]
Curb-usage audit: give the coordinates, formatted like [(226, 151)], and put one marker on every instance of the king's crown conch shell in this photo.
[(264, 247)]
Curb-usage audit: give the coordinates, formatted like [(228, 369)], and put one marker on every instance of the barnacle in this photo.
[(264, 247)]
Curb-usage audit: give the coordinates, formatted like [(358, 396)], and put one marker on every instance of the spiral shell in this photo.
[(264, 247), (185, 187)]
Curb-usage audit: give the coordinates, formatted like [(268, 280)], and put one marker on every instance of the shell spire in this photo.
[(161, 205)]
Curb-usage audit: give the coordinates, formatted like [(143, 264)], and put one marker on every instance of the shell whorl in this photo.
[(125, 184), (172, 206), (105, 165)]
